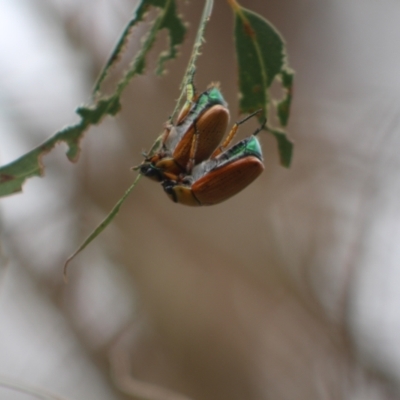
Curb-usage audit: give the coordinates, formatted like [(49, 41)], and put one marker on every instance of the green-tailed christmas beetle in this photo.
[(198, 131), (219, 178)]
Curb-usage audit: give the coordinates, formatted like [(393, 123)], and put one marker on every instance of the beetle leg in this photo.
[(193, 149), (191, 97), (227, 141), (170, 176), (167, 131), (232, 134)]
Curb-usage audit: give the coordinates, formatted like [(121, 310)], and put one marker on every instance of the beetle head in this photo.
[(151, 171)]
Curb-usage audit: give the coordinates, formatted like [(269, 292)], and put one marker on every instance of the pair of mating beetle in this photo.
[(192, 166)]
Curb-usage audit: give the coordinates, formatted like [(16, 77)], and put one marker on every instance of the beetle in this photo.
[(217, 179), (198, 131)]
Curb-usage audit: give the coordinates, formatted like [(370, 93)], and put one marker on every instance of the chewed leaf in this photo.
[(93, 115), (261, 58), (283, 107), (13, 175), (170, 21), (176, 32)]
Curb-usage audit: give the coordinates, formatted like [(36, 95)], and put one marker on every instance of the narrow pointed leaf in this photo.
[(100, 228)]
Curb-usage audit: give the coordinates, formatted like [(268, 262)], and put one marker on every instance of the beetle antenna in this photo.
[(242, 121), (262, 126)]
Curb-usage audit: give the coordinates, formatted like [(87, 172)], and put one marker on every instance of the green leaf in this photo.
[(176, 31), (100, 228), (93, 115), (170, 21), (14, 174), (261, 56), (285, 147), (283, 107)]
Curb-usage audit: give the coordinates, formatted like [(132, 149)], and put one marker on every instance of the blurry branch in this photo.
[(122, 376), (23, 388)]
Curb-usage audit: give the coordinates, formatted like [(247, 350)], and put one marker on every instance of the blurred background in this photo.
[(287, 291)]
